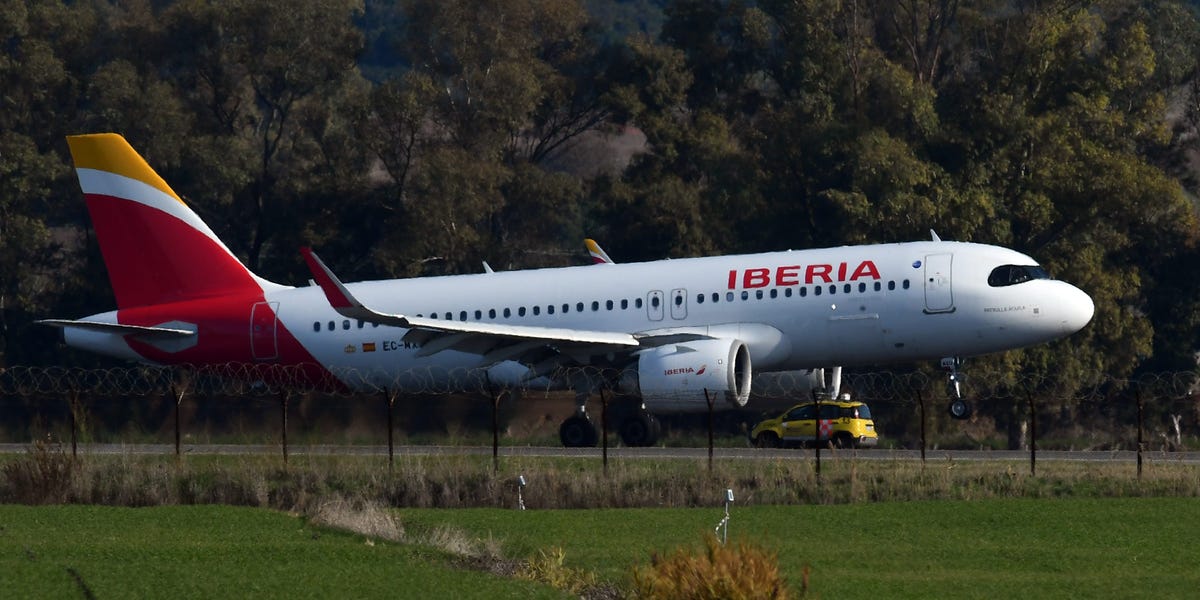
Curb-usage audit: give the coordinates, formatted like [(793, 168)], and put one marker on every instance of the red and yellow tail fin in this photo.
[(157, 250)]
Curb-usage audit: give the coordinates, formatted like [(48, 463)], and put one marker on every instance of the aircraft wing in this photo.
[(494, 341)]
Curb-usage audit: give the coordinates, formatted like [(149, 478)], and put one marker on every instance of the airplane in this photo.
[(682, 335)]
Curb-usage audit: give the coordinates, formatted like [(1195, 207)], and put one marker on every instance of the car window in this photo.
[(801, 412), (863, 411), (829, 411)]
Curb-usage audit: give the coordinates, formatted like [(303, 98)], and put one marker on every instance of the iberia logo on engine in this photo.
[(685, 371)]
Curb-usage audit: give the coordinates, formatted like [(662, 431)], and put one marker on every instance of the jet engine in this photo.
[(673, 378)]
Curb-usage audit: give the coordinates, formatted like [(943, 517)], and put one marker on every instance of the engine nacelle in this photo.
[(673, 378)]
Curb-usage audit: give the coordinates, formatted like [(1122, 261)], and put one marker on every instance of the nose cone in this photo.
[(1076, 309)]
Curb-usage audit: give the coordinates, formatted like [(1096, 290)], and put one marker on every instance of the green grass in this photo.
[(1053, 548), (993, 548), (219, 552)]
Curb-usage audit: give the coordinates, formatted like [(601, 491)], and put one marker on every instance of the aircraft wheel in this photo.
[(578, 432), (960, 409), (640, 430)]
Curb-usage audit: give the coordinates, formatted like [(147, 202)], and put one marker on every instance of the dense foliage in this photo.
[(427, 136)]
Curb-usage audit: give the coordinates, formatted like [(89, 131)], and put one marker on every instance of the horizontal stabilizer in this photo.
[(119, 329)]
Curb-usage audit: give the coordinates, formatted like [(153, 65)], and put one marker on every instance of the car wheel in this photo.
[(767, 439), (844, 440)]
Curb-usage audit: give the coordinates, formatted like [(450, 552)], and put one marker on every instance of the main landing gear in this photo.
[(959, 408), (638, 429)]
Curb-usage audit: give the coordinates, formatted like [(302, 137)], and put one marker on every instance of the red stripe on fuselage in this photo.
[(155, 258)]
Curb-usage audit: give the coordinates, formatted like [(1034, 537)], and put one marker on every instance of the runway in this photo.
[(873, 454)]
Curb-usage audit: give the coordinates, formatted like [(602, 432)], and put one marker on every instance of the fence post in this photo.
[(1137, 394), (73, 402), (921, 406), (817, 443), (709, 399), (1032, 434), (495, 430), (283, 420), (389, 397), (604, 430)]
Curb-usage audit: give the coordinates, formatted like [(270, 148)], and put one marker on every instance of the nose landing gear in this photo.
[(959, 408)]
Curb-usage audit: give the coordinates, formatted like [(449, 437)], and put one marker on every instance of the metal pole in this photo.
[(1140, 444), (177, 398), (604, 430), (283, 414), (921, 405), (817, 400), (709, 399), (1032, 434), (73, 399), (390, 397), (495, 432)]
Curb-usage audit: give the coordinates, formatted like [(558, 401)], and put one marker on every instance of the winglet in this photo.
[(599, 257), (339, 297)]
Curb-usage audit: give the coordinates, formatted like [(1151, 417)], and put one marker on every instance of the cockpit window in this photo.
[(1014, 274)]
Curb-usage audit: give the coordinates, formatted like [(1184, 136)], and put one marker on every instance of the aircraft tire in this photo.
[(640, 430), (960, 409), (578, 432)]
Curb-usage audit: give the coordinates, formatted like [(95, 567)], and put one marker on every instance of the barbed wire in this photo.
[(251, 379)]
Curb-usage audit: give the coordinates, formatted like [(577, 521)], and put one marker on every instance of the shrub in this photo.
[(739, 571), (45, 475)]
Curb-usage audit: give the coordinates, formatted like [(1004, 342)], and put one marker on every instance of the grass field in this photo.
[(996, 548), (1062, 548), (219, 552)]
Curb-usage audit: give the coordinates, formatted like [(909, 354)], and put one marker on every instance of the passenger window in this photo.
[(878, 286), (758, 295), (624, 303), (745, 295), (537, 310), (637, 303), (729, 296), (578, 307), (595, 306), (491, 313), (716, 297), (679, 300), (331, 325), (803, 292), (449, 317), (906, 284), (346, 324), (462, 316), (360, 324), (816, 290), (549, 309), (507, 313), (608, 304), (566, 308), (891, 285), (478, 315), (862, 288), (787, 292), (317, 326), (521, 311), (654, 302), (846, 288), (832, 289), (774, 293)]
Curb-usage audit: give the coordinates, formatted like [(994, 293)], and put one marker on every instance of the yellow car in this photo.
[(844, 424)]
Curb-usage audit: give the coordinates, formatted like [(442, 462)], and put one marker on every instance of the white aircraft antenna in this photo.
[(935, 235), (487, 268)]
